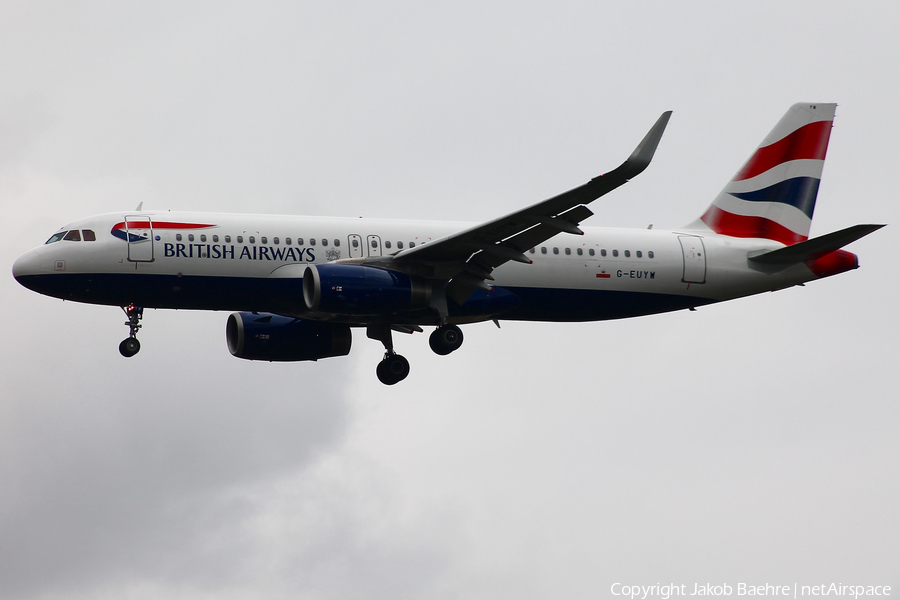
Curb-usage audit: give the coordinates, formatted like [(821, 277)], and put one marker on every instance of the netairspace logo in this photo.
[(674, 590)]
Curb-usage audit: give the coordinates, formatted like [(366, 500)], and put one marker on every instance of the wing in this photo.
[(466, 259)]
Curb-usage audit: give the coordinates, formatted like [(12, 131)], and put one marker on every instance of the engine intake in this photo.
[(276, 338), (361, 290)]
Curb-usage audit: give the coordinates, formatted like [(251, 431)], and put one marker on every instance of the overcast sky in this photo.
[(752, 441)]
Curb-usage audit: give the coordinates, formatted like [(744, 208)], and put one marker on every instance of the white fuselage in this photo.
[(166, 259)]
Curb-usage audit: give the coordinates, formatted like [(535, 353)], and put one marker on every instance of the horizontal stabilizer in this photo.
[(814, 248)]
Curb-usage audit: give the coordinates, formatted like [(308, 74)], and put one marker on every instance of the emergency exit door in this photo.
[(355, 242)]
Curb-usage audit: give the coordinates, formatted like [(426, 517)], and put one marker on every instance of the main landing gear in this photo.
[(130, 345), (393, 368), (445, 339)]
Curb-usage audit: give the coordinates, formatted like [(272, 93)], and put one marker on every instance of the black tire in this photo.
[(393, 369), (381, 371), (129, 347), (446, 339)]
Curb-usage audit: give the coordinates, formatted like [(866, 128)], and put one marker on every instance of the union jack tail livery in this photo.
[(773, 196)]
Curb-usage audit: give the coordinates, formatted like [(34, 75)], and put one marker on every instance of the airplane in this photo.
[(299, 284)]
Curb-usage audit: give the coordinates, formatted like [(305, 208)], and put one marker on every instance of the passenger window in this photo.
[(299, 241), (215, 239), (387, 244), (56, 237), (337, 242), (203, 238), (591, 252), (555, 250), (73, 236), (88, 235), (263, 240), (627, 253), (374, 243), (532, 251), (240, 239), (287, 241), (615, 252), (412, 244), (568, 251), (400, 245), (252, 239), (190, 237), (275, 241), (638, 254), (543, 249), (227, 239), (356, 243), (579, 251), (324, 242), (603, 252), (312, 241), (650, 254), (177, 237)]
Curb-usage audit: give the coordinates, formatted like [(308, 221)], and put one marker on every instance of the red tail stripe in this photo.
[(808, 142), (743, 226)]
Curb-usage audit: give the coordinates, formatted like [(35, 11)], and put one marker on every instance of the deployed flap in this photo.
[(814, 248)]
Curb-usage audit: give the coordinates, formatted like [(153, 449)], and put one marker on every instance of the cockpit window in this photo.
[(56, 237), (73, 236), (88, 235)]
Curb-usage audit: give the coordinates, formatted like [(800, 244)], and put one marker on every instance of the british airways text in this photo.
[(223, 251)]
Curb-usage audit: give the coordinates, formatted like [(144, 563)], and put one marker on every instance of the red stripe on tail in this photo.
[(808, 142), (743, 226)]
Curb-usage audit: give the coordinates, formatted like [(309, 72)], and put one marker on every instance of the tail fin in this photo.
[(773, 196)]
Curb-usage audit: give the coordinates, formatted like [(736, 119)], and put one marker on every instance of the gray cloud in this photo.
[(139, 465)]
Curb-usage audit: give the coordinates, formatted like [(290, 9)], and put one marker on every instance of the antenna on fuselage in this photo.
[(140, 207)]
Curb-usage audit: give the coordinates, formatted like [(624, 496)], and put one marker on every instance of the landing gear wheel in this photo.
[(129, 347), (392, 369), (445, 339)]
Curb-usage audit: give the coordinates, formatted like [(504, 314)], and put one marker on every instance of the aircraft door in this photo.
[(356, 249), (373, 243), (694, 259), (139, 231)]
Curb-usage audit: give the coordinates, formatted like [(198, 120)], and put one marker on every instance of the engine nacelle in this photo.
[(276, 338), (361, 290)]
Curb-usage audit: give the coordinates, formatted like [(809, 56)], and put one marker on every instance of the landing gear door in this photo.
[(356, 250), (694, 259), (139, 231)]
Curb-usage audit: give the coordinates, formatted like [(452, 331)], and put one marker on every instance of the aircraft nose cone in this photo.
[(27, 264)]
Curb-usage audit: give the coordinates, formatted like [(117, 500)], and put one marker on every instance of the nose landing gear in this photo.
[(130, 345)]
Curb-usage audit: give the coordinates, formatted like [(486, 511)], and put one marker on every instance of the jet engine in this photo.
[(361, 290), (276, 338)]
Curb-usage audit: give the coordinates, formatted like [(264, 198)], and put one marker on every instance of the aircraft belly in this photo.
[(554, 304)]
